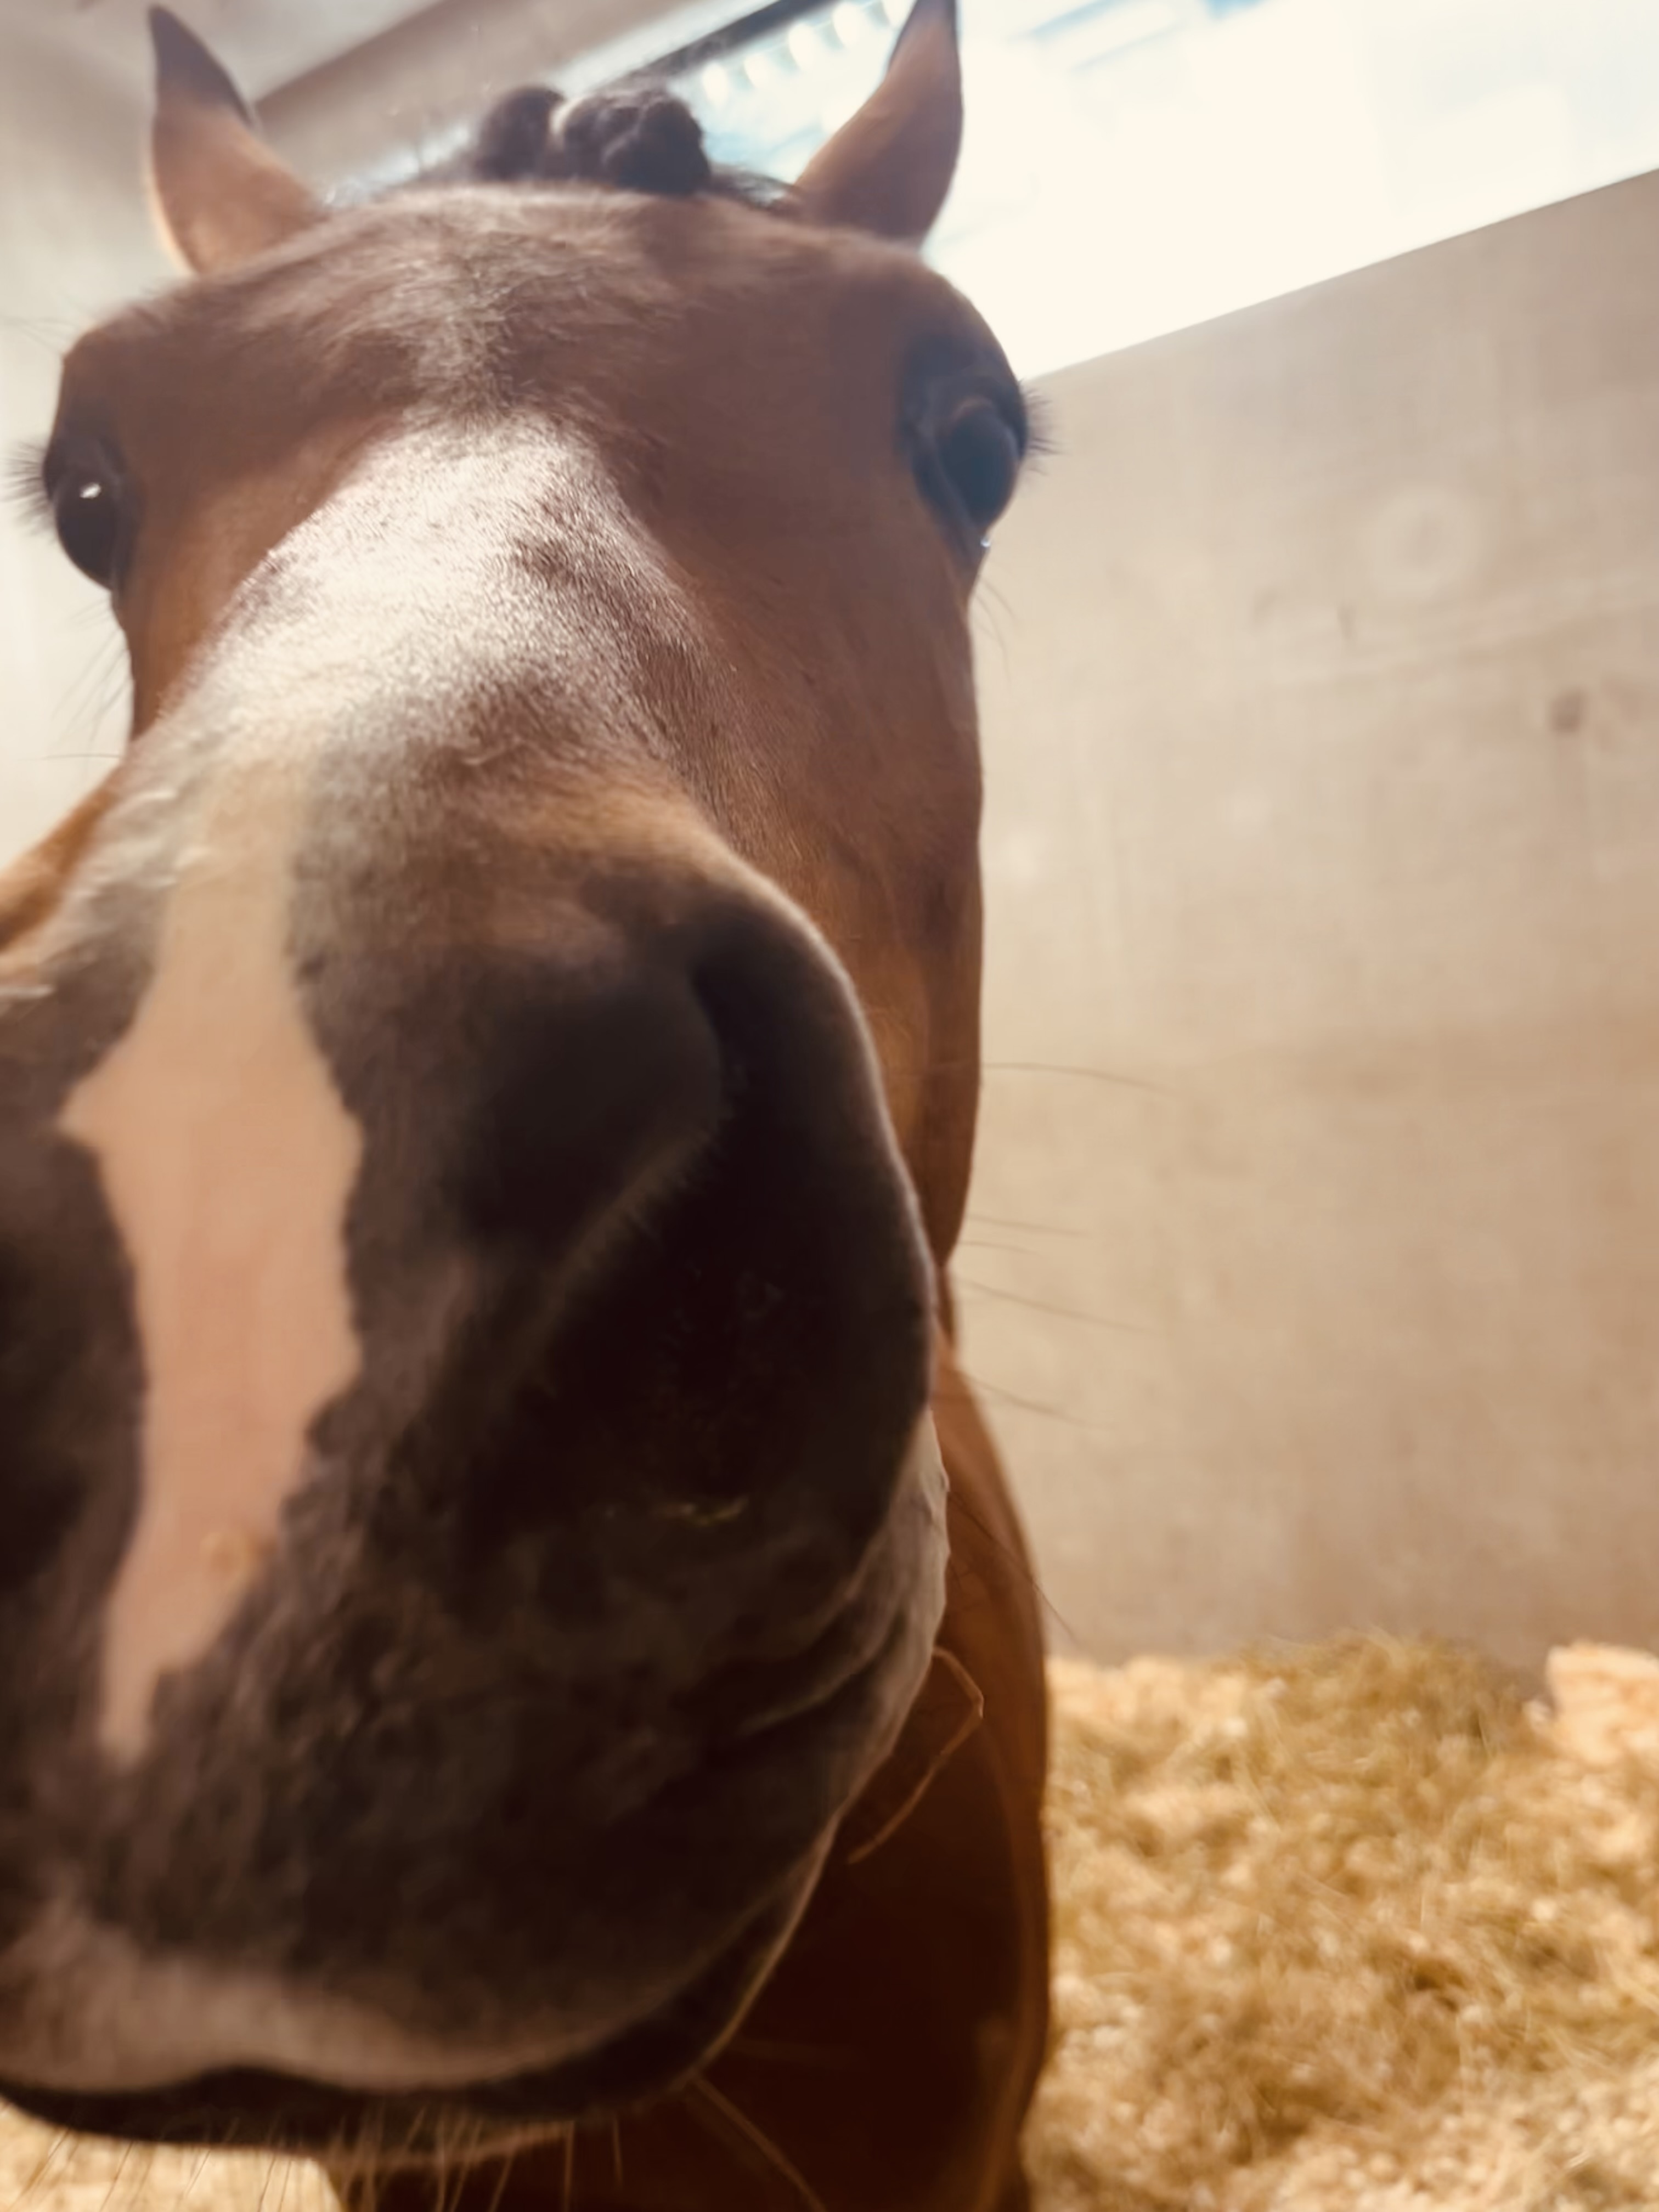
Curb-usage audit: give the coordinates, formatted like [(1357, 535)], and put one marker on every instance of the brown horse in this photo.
[(494, 1693)]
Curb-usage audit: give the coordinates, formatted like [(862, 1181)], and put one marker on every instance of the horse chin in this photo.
[(354, 2130), (411, 2118)]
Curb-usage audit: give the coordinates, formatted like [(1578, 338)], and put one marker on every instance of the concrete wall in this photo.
[(75, 240), (1314, 1267)]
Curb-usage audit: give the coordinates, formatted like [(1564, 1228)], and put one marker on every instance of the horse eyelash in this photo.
[(25, 490), (1040, 439)]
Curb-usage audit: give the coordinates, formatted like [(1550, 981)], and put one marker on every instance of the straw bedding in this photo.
[(1345, 1928), (1354, 1927)]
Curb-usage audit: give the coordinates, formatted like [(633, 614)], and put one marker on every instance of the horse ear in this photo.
[(220, 194), (889, 168)]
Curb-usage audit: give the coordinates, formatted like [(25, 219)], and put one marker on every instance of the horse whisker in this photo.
[(996, 1391), (1032, 1228), (761, 2142), (1018, 1560), (1082, 1074), (195, 2172), (891, 1827), (508, 2163), (59, 2138), (127, 2150), (264, 2187), (1047, 1306)]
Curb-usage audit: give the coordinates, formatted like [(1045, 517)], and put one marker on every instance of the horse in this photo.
[(519, 1673)]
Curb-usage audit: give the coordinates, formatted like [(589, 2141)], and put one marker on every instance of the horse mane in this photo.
[(635, 136)]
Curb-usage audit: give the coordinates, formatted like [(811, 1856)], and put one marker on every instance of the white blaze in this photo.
[(228, 1160)]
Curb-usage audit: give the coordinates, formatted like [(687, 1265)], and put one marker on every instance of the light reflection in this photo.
[(1134, 165)]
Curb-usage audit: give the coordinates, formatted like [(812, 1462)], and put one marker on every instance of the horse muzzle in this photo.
[(473, 1521)]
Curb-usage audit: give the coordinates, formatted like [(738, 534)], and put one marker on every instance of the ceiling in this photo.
[(266, 42), (338, 81)]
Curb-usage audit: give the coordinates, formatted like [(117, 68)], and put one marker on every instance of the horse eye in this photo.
[(85, 507), (979, 456)]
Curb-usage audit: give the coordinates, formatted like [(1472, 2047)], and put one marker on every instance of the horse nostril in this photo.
[(756, 1332), (587, 1100)]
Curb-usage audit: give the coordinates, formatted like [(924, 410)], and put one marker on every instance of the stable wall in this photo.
[(75, 240), (1313, 1271)]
